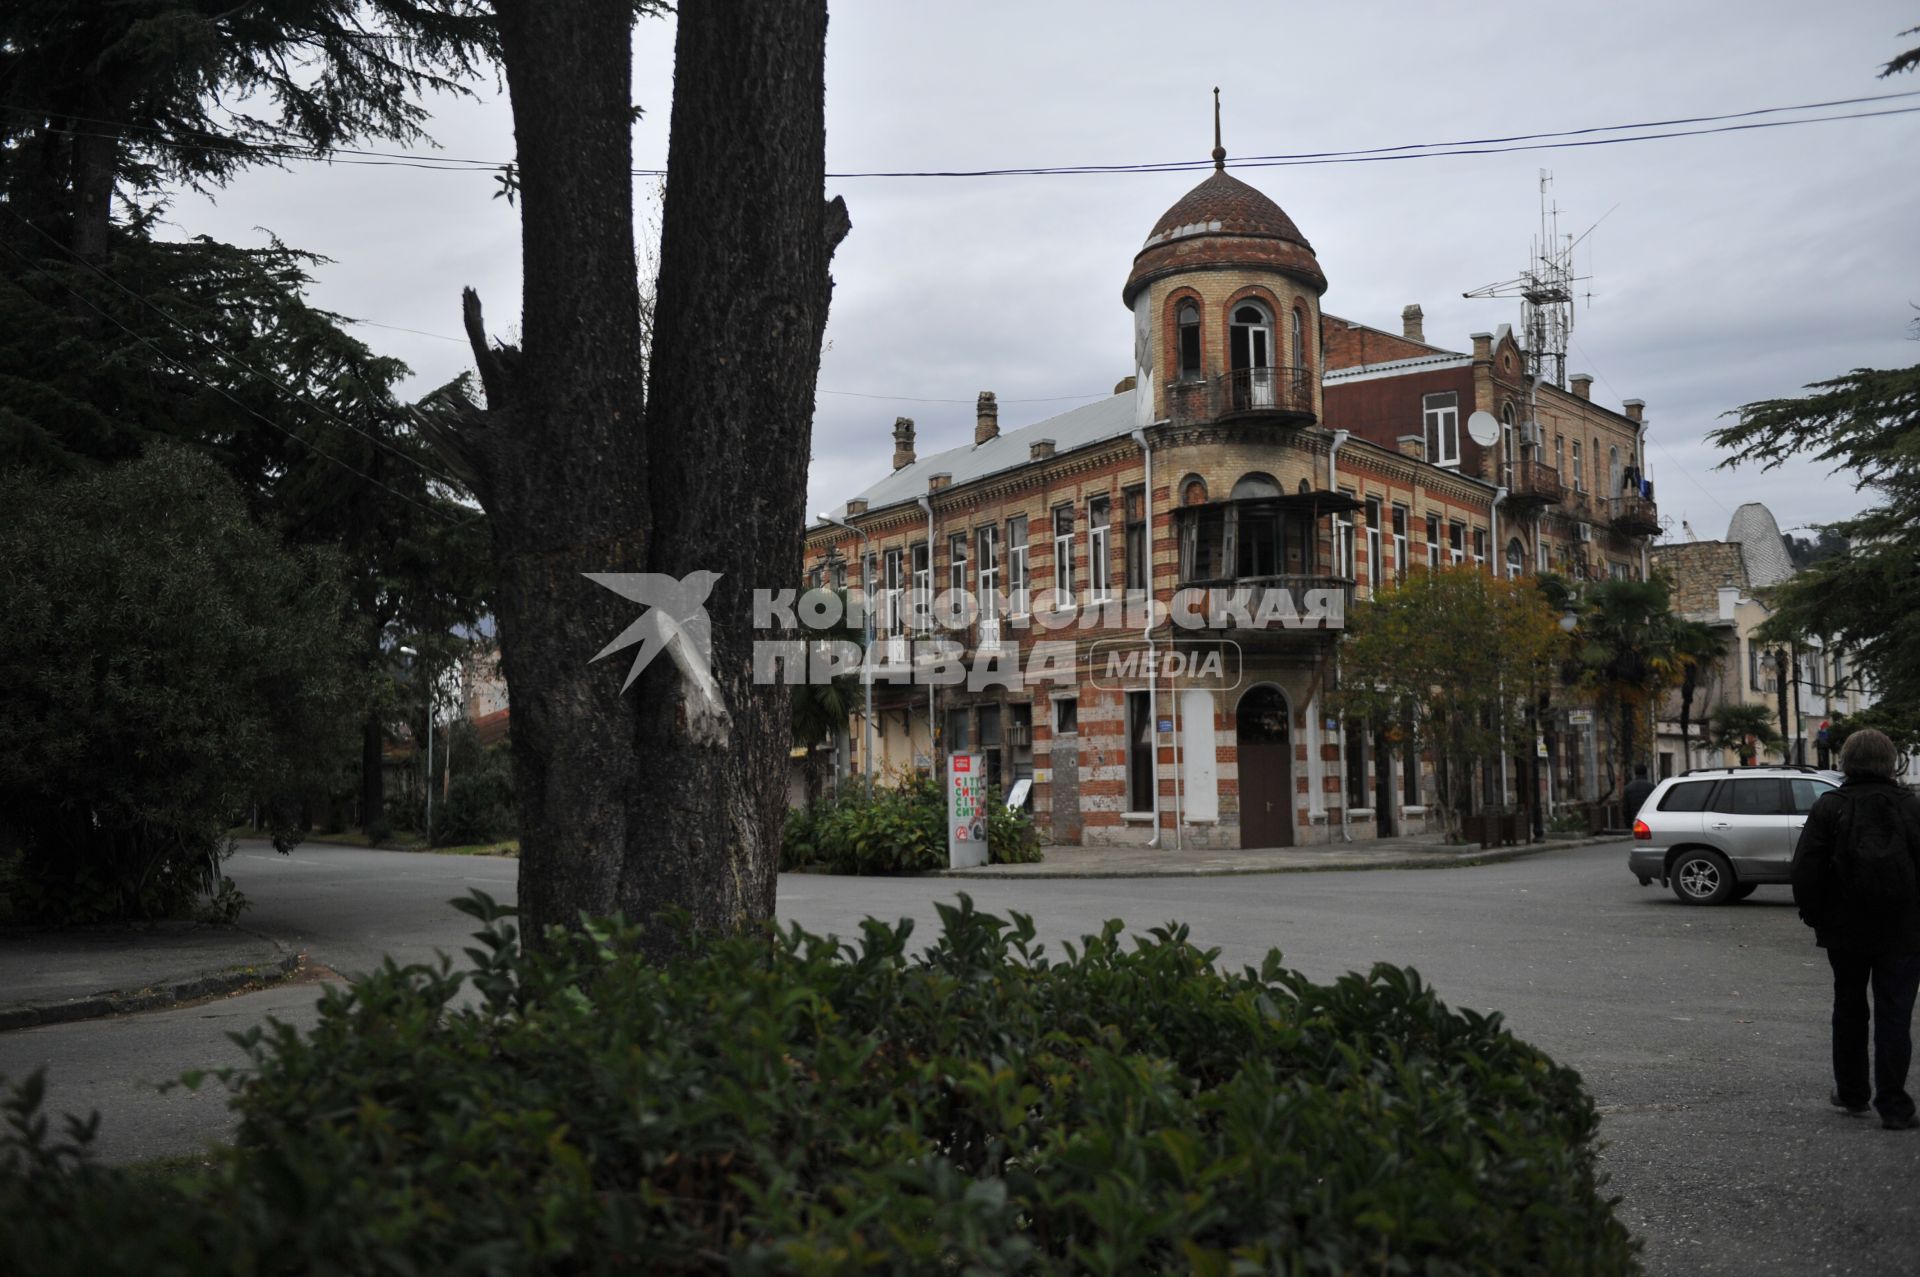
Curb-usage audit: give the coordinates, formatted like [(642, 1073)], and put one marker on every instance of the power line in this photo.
[(1499, 145), (370, 437), (196, 375)]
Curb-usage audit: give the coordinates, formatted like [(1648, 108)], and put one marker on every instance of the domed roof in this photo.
[(1223, 222), (1225, 205)]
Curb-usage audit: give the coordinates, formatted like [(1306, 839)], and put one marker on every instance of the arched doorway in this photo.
[(1264, 733), (1250, 356)]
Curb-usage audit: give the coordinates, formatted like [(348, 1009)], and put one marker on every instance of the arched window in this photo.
[(1193, 490), (1613, 471), (1255, 487), (1250, 355), (1301, 358), (1507, 453), (1187, 322), (1516, 558)]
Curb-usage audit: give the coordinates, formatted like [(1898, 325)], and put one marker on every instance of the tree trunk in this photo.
[(635, 801), (373, 774), (93, 165), (1687, 689)]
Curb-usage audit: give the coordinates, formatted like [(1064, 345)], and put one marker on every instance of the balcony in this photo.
[(1635, 516), (1279, 394), (1251, 605), (1531, 485)]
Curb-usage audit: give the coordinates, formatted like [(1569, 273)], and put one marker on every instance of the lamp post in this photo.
[(429, 785), (866, 653)]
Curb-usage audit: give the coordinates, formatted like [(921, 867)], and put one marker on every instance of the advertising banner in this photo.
[(966, 812)]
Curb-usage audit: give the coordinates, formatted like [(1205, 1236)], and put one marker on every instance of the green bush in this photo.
[(164, 664), (792, 1104), (479, 804), (901, 829)]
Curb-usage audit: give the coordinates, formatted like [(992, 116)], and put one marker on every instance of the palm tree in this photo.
[(821, 710), (1746, 729), (1697, 645), (1626, 648)]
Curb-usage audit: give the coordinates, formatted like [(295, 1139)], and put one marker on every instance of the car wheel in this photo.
[(1745, 889), (1703, 878)]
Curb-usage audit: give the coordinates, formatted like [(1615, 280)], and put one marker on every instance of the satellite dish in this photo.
[(1483, 429)]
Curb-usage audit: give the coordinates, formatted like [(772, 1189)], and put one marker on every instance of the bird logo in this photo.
[(675, 622)]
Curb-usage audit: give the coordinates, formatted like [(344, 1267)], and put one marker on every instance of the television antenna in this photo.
[(1546, 292)]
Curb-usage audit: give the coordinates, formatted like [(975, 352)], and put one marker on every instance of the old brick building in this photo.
[(1263, 455)]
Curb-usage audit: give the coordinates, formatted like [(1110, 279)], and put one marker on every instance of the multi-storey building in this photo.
[(1728, 585), (1165, 573)]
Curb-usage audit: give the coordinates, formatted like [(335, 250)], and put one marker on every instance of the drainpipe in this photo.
[(1153, 703), (933, 725), (1340, 437)]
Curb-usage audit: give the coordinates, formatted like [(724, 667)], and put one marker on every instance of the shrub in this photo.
[(164, 663), (901, 829), (794, 1104), (479, 803)]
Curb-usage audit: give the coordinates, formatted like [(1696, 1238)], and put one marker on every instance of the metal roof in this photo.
[(1080, 427), (1753, 529)]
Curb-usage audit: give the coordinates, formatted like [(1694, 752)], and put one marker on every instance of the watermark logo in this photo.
[(675, 621), (1119, 664)]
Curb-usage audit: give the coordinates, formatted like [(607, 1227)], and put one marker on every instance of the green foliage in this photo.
[(164, 664), (1867, 424), (479, 804), (795, 1104), (902, 829), (1630, 650), (1459, 656), (1745, 729)]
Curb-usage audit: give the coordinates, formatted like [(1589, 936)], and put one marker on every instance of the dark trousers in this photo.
[(1894, 979)]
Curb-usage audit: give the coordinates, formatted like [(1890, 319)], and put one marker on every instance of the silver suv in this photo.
[(1717, 834)]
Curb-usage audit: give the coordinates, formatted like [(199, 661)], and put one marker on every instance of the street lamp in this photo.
[(429, 785), (866, 654)]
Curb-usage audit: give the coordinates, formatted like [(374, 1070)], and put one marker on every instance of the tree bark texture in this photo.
[(585, 466)]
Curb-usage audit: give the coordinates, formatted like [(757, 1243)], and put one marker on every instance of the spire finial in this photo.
[(1219, 151)]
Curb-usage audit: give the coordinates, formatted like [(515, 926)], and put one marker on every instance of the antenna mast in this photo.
[(1545, 290)]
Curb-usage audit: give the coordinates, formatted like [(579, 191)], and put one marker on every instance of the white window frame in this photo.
[(958, 578), (1063, 557), (1376, 563), (1441, 426), (1343, 547), (892, 569), (1099, 547), (1019, 579), (987, 568), (1579, 471), (922, 602), (1400, 516), (1433, 540)]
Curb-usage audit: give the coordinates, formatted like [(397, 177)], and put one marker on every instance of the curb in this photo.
[(124, 1002), (1488, 856)]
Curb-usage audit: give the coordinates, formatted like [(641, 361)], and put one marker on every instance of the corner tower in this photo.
[(1225, 297)]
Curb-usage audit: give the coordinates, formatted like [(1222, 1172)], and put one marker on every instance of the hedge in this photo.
[(901, 829), (787, 1103)]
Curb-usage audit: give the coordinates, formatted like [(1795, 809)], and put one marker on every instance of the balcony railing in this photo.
[(1635, 516), (1282, 392), (1277, 604), (1531, 483)]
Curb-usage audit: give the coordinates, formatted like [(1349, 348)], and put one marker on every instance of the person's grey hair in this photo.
[(1869, 753)]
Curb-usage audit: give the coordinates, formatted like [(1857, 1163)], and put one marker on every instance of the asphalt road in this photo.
[(1701, 1032)]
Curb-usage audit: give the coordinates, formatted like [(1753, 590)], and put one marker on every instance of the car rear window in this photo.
[(1687, 796), (1807, 792), (1751, 797)]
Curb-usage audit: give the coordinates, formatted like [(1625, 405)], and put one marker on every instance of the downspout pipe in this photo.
[(1334, 445), (1153, 702), (933, 722)]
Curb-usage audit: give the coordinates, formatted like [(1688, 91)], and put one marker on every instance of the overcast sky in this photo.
[(1728, 267)]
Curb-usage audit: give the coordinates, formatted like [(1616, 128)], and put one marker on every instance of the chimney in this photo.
[(1483, 348), (1582, 385), (1634, 407), (902, 442), (986, 418), (938, 481), (1413, 323), (1414, 446), (1042, 449), (856, 506), (1125, 384)]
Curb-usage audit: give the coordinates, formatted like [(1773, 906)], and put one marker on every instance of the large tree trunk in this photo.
[(637, 801), (94, 150)]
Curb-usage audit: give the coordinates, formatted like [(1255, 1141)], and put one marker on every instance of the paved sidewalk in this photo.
[(49, 977), (1372, 853)]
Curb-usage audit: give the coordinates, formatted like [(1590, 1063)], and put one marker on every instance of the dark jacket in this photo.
[(1862, 806), (1635, 798)]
